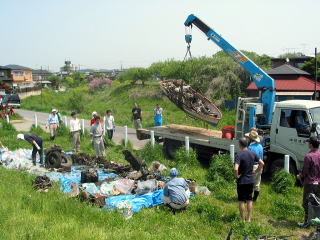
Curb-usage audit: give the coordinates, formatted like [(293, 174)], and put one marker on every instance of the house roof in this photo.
[(17, 67), (39, 71), (4, 68), (286, 69), (301, 83)]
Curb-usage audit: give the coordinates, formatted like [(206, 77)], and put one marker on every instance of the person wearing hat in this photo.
[(93, 119), (75, 131), (310, 176), (53, 124), (176, 191), (256, 147), (36, 142), (96, 131)]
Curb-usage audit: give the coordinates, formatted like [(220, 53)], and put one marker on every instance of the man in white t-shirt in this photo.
[(109, 125)]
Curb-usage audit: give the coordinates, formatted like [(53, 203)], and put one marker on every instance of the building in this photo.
[(293, 61), (290, 83), (21, 76), (5, 75), (40, 75)]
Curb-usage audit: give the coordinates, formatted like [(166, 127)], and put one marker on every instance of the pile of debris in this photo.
[(86, 159), (190, 101), (42, 184)]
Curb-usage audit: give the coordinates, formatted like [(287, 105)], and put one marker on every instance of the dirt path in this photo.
[(29, 116)]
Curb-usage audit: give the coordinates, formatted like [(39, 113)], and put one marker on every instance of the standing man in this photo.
[(137, 116), (310, 176), (75, 131), (256, 147), (96, 131), (176, 191), (157, 115), (243, 172), (109, 125), (36, 142), (53, 124)]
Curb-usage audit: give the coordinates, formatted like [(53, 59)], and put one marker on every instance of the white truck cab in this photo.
[(293, 122)]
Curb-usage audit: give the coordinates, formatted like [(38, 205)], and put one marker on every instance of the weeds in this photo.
[(182, 157), (221, 167), (282, 182)]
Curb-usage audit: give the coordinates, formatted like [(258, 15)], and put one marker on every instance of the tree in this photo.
[(135, 74), (309, 66), (55, 81), (291, 55)]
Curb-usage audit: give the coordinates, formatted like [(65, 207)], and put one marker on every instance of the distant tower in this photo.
[(67, 66)]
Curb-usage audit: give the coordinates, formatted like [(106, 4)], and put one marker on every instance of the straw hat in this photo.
[(253, 135)]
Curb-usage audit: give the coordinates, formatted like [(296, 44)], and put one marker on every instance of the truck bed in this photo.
[(201, 136)]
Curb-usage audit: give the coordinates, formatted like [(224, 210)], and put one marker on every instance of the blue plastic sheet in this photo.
[(74, 177), (144, 201)]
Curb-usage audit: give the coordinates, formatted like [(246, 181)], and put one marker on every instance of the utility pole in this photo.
[(316, 74), (41, 84)]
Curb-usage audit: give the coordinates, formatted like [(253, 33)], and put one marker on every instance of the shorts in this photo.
[(244, 192)]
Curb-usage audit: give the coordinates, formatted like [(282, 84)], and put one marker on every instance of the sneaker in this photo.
[(304, 225)]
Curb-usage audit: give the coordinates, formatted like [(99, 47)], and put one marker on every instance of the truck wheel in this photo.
[(171, 146), (66, 160), (279, 164)]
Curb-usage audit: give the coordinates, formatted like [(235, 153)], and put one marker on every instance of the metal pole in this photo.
[(152, 138), (82, 121), (35, 120), (125, 136), (315, 74), (187, 142), (232, 152), (104, 125), (286, 163), (66, 121), (8, 119)]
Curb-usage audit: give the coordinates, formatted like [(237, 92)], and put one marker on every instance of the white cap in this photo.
[(94, 113), (20, 136), (54, 110)]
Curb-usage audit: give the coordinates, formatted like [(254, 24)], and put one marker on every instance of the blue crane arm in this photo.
[(262, 80)]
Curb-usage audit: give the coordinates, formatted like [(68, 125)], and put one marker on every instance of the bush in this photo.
[(63, 130), (36, 130), (181, 156), (282, 182), (98, 82), (7, 126), (221, 168), (77, 101), (150, 154)]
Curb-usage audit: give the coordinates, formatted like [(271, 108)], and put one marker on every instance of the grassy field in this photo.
[(26, 214), (120, 98)]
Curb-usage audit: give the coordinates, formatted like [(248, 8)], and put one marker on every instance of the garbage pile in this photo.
[(109, 185), (190, 101), (42, 184)]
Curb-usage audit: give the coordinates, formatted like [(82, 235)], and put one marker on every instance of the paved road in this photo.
[(118, 135)]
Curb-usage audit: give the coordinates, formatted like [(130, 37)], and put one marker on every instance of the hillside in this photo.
[(120, 98)]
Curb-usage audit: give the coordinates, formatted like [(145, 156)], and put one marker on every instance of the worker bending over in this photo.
[(176, 191), (36, 142)]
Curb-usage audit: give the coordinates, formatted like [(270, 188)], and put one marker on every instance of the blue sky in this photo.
[(106, 33)]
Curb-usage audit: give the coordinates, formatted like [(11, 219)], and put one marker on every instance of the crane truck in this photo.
[(285, 126)]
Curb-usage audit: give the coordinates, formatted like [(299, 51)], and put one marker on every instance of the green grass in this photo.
[(120, 99)]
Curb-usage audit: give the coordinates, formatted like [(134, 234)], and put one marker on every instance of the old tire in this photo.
[(53, 160), (279, 164), (66, 160), (171, 146)]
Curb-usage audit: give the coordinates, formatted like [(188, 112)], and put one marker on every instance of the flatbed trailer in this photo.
[(205, 142)]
